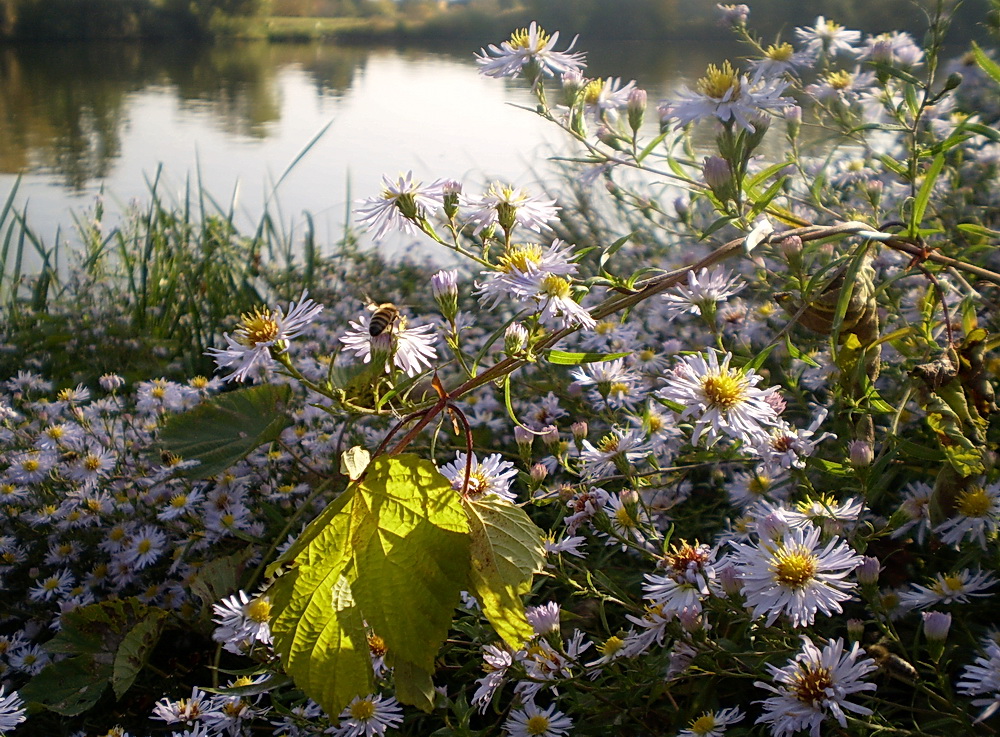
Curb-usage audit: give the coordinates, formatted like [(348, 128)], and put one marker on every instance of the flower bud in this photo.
[(729, 580), (111, 382), (636, 109), (719, 176), (515, 338), (861, 453), (953, 81), (936, 625), (733, 16), (793, 120), (523, 437), (538, 473), (579, 430), (868, 571), (791, 248), (855, 629), (550, 435), (451, 190), (444, 287)]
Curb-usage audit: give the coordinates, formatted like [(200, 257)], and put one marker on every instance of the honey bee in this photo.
[(383, 317)]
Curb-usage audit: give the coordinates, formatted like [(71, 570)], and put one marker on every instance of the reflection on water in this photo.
[(82, 119), (62, 107)]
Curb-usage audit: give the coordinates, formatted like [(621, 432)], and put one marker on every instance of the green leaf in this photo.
[(507, 551), (219, 577), (108, 641), (69, 687), (924, 195), (764, 200), (611, 250), (226, 428), (392, 551), (986, 63), (564, 358), (134, 651)]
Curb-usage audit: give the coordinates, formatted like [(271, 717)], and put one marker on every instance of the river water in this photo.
[(88, 120)]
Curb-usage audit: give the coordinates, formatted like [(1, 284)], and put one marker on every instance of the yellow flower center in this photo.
[(625, 518), (259, 610), (145, 546), (556, 286), (759, 485), (376, 645), (811, 683), (56, 432), (258, 327), (703, 724), (724, 391), (199, 382), (619, 389), (840, 80), (51, 584), (521, 258), (520, 39), (363, 710), (592, 92), (242, 681), (92, 462), (682, 556), (779, 52), (794, 567), (177, 501), (954, 583), (31, 465), (612, 645), (606, 326), (974, 502), (717, 82), (537, 724), (608, 444)]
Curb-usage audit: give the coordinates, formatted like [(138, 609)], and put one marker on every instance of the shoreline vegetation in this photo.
[(357, 21)]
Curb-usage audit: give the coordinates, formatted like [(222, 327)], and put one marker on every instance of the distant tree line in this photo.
[(93, 19)]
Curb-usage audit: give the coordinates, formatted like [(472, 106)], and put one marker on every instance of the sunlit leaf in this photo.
[(507, 551), (392, 552)]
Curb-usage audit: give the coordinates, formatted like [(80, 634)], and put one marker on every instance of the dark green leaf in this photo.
[(227, 428)]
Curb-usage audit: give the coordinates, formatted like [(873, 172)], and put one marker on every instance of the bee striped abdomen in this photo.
[(383, 317)]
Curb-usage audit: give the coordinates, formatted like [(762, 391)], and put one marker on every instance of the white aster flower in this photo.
[(827, 38), (260, 333), (977, 516), (713, 723), (814, 685), (729, 96), (552, 295), (604, 98), (916, 509), (720, 400), (401, 206), (788, 573), (411, 349), (703, 291), (842, 86), (518, 261), (617, 448), (183, 710), (530, 50), (982, 677), (242, 622), (953, 588), (507, 206), (11, 710), (369, 716), (780, 59), (496, 661), (493, 476), (531, 721), (689, 576)]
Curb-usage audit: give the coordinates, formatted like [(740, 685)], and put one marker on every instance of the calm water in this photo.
[(77, 121)]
